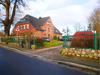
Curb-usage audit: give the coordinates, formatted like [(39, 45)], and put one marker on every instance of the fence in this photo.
[(16, 39), (82, 41)]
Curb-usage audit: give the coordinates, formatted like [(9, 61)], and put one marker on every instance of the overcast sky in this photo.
[(63, 13)]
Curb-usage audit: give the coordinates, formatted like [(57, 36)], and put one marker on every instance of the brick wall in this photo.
[(49, 32), (58, 35), (31, 29)]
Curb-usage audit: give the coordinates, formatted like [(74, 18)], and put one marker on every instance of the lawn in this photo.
[(53, 43)]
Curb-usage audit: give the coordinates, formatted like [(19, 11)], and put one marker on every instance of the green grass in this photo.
[(53, 43)]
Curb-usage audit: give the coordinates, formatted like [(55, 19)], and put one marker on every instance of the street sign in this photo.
[(17, 29)]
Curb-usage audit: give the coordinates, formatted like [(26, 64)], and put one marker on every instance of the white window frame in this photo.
[(45, 35), (21, 27), (44, 28), (48, 22), (48, 29), (27, 26), (24, 27)]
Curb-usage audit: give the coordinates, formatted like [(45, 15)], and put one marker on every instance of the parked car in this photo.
[(68, 39), (46, 39), (61, 39)]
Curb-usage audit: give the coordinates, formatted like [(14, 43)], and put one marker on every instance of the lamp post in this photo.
[(65, 40), (66, 31), (95, 40), (34, 39)]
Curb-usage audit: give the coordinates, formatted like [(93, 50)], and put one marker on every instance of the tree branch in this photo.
[(3, 3), (1, 20), (13, 13), (11, 1)]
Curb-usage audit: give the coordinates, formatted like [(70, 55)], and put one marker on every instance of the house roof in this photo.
[(56, 31), (83, 32), (36, 22)]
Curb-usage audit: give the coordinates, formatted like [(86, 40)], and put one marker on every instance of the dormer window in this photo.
[(24, 19), (48, 22), (44, 28)]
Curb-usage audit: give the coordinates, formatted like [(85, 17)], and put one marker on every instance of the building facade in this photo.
[(38, 27)]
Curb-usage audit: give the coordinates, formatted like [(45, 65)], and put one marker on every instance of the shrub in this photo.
[(58, 38), (7, 40), (98, 41), (82, 42), (39, 42), (55, 37), (23, 40)]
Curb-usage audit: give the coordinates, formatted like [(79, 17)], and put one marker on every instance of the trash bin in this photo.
[(20, 43), (28, 44)]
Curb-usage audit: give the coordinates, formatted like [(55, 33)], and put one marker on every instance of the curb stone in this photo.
[(46, 59)]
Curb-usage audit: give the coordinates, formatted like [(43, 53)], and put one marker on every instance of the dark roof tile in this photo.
[(56, 31)]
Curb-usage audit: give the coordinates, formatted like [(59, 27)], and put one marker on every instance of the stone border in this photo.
[(82, 52)]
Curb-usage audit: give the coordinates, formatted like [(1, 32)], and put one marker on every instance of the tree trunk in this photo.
[(6, 21), (7, 30)]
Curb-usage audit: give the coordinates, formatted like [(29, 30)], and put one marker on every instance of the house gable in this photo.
[(23, 29), (48, 28)]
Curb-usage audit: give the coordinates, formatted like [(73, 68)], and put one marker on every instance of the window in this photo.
[(21, 27), (24, 19), (49, 35), (23, 34), (48, 22), (24, 27), (27, 26), (48, 29), (44, 35), (31, 34), (44, 28)]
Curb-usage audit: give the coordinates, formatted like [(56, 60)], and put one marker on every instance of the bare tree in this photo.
[(94, 20), (10, 8), (66, 31), (78, 27), (90, 27)]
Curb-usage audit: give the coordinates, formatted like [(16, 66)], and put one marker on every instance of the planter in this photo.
[(28, 44), (20, 43)]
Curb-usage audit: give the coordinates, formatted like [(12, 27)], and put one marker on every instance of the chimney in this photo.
[(39, 17)]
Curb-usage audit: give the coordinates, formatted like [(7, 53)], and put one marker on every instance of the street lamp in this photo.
[(34, 39)]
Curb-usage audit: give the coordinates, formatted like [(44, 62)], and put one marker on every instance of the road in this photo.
[(12, 63)]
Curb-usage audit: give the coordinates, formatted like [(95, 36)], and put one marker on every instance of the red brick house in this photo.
[(43, 27)]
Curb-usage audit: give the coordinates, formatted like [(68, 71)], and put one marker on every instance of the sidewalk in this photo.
[(53, 54)]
